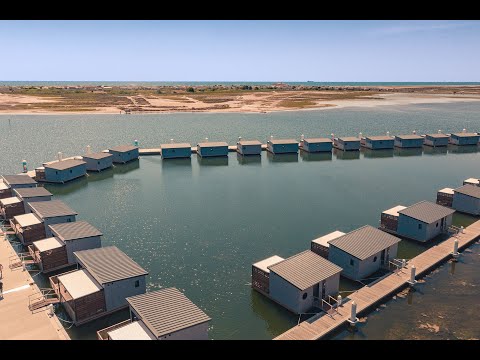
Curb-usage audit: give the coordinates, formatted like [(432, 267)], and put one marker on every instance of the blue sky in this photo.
[(240, 50)]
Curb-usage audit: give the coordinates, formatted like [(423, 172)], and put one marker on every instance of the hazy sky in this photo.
[(240, 50)]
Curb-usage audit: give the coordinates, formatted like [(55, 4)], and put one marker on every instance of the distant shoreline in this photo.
[(45, 100)]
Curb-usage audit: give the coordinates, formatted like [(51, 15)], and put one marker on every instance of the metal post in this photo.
[(339, 300), (412, 280), (353, 314), (302, 137), (88, 149), (60, 156), (404, 263), (462, 229), (455, 249)]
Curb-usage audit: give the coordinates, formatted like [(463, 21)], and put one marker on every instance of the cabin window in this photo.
[(128, 153), (56, 172), (419, 226), (71, 171), (304, 296), (137, 283), (351, 262), (69, 220), (436, 225), (375, 259), (98, 162)]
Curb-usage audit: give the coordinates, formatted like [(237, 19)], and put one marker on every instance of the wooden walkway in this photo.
[(156, 151), (320, 325)]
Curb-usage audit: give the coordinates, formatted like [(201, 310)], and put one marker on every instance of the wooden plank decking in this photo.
[(320, 325)]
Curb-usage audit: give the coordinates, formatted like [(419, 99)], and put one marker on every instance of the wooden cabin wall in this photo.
[(90, 305), (54, 258)]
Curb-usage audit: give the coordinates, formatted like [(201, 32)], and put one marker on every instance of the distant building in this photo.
[(249, 147), (124, 153), (98, 161), (64, 171), (436, 140), (177, 150), (349, 143), (378, 142), (314, 145), (30, 195), (471, 181), (212, 148), (464, 138), (282, 146), (408, 141), (18, 181), (467, 199)]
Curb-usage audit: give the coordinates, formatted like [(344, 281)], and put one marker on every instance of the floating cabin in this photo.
[(320, 245), (389, 218), (28, 228), (282, 146), (64, 170), (52, 212), (445, 197), (209, 149), (363, 251), (471, 181), (57, 252), (176, 150), (124, 153), (408, 141), (165, 314), (436, 139), (261, 273), (105, 278), (464, 138), (467, 199), (10, 207), (5, 191), (314, 145), (378, 142), (98, 161), (424, 221), (302, 281), (349, 143), (30, 195), (18, 181), (249, 147)]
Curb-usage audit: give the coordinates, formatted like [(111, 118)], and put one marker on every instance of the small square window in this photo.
[(419, 226), (137, 283), (436, 225), (351, 262)]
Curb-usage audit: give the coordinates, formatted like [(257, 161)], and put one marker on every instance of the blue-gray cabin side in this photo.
[(98, 164), (124, 157), (464, 140), (209, 151), (63, 176), (317, 147), (56, 220), (282, 148), (417, 230), (174, 153), (117, 292), (433, 141), (249, 149), (350, 265), (466, 204), (379, 144), (408, 143), (350, 145)]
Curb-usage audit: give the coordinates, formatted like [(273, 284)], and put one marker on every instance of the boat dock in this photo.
[(156, 151), (19, 289), (320, 325)]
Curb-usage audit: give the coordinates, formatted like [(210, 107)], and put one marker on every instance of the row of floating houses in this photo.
[(64, 170), (104, 279), (311, 278)]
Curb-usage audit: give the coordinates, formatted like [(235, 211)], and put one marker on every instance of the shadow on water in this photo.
[(173, 163), (102, 175), (380, 153), (126, 168), (465, 149), (282, 158), (346, 155), (69, 187), (249, 159), (212, 161), (439, 150), (407, 152), (319, 156)]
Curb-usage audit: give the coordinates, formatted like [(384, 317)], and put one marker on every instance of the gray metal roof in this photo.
[(98, 156), (437, 136), (53, 208), (74, 230), (305, 269), (175, 146), (249, 142), (380, 138), (18, 179), (65, 164), (109, 264), (212, 144), (427, 212), (317, 140), (349, 138), (32, 192), (123, 148), (364, 242), (465, 134), (409, 137), (166, 311), (470, 190), (283, 141)]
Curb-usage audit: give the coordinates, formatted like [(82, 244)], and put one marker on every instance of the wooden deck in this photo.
[(321, 325)]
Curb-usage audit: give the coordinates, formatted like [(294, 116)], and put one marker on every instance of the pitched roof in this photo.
[(364, 242), (32, 192), (305, 269), (409, 137), (212, 144), (166, 311), (265, 263), (74, 230), (175, 146), (426, 211), (18, 179), (97, 156), (64, 164), (470, 190), (123, 148), (380, 138), (349, 138), (317, 140), (438, 136), (249, 142), (283, 141), (109, 264), (465, 134), (53, 208)]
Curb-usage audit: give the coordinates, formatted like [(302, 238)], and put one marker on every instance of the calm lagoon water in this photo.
[(199, 224)]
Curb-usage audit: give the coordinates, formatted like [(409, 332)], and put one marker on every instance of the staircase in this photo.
[(41, 299)]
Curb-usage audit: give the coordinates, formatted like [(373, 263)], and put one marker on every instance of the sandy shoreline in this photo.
[(244, 104)]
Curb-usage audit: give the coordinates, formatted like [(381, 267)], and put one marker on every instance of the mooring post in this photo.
[(89, 149), (353, 314), (339, 300), (404, 263), (455, 252), (462, 229), (412, 280)]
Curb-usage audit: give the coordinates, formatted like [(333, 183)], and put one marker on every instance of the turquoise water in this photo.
[(199, 224)]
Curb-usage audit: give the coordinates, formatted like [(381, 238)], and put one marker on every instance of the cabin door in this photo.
[(316, 291), (382, 257), (323, 289)]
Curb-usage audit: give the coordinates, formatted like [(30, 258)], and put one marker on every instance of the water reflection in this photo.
[(318, 156), (466, 149), (69, 187), (126, 168), (282, 158), (346, 155), (173, 163), (439, 150), (381, 153), (100, 175), (212, 161), (407, 152), (249, 159)]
